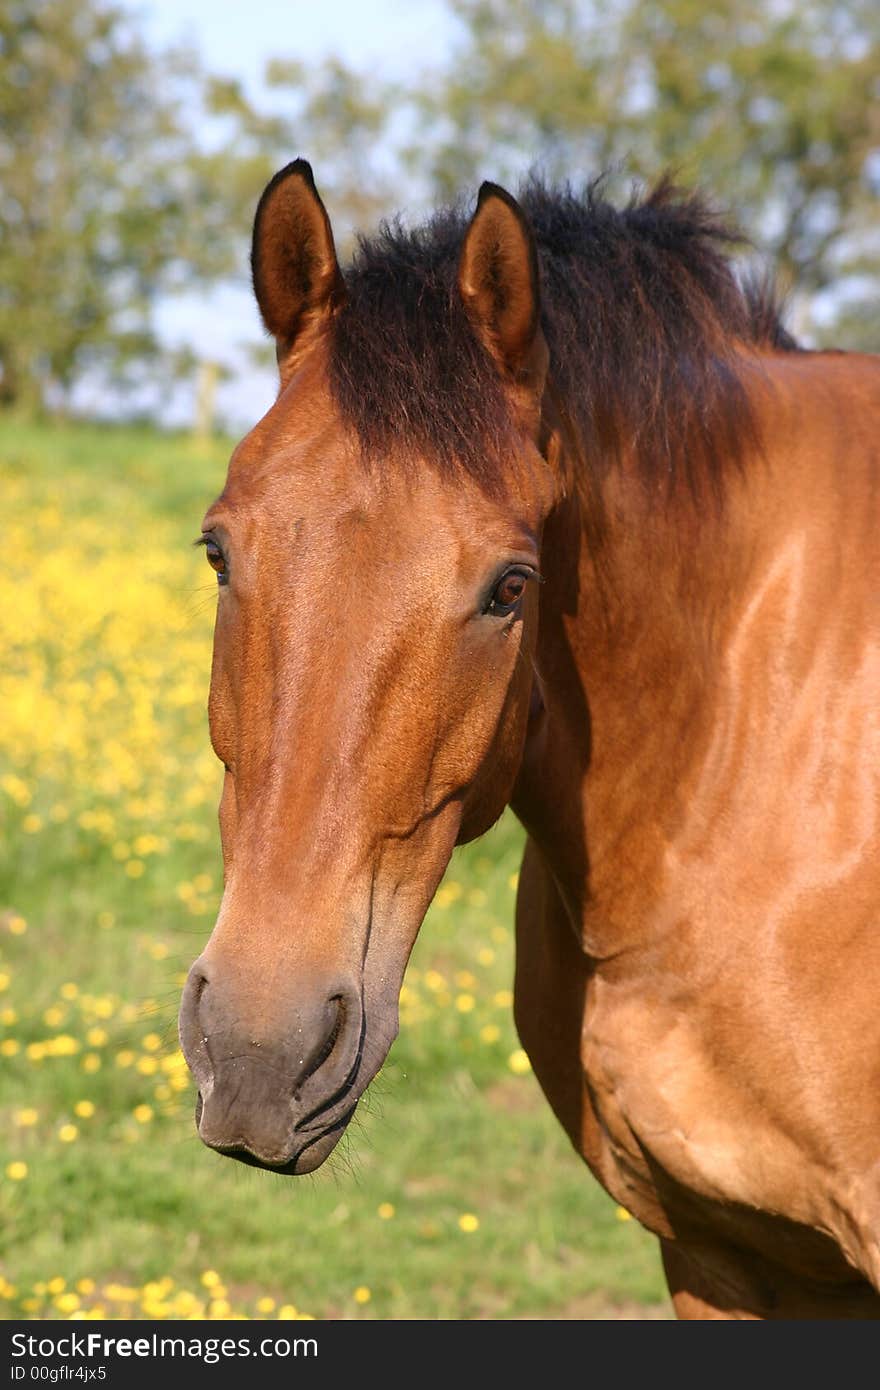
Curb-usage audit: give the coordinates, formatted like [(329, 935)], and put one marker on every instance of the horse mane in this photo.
[(645, 320)]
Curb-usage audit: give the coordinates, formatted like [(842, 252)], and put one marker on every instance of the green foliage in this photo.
[(101, 194), (455, 1193), (772, 109), (126, 173)]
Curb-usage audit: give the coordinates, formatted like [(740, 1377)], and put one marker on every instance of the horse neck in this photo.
[(701, 655), (630, 628)]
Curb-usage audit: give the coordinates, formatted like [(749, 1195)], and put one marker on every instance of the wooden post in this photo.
[(206, 396)]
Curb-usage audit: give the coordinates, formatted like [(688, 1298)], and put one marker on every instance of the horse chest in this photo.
[(669, 1116), (679, 1142), (658, 1105)]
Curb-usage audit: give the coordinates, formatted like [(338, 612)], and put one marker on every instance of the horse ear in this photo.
[(498, 280), (297, 280)]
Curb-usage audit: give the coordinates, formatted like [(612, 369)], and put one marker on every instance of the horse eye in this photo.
[(216, 560), (507, 593)]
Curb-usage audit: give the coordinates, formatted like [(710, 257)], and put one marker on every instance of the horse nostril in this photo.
[(193, 1041), (325, 1049)]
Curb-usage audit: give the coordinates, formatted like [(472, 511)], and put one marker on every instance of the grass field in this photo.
[(455, 1194)]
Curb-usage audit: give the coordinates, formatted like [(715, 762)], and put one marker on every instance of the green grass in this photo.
[(109, 856)]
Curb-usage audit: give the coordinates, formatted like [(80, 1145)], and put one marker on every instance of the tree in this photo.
[(105, 201), (773, 108), (127, 174)]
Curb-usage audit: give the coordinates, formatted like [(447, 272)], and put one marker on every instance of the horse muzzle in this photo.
[(279, 1083)]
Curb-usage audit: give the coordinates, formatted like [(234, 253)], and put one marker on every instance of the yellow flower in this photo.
[(25, 1118), (265, 1305), (464, 1003), (4, 980), (490, 1033), (67, 1302), (210, 1278), (16, 1170), (385, 1211), (519, 1062), (17, 925), (149, 844), (157, 1288), (53, 1017), (31, 824), (120, 1293), (134, 868), (85, 1286), (16, 789), (144, 1114), (69, 990), (84, 1108), (96, 1037), (56, 1285), (468, 1222), (622, 1214), (185, 1304), (68, 1133), (287, 1312), (124, 1058), (362, 1294), (91, 1062), (152, 1042)]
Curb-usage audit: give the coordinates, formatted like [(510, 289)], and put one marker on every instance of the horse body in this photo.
[(683, 717), (710, 975)]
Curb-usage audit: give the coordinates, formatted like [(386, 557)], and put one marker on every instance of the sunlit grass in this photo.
[(455, 1193)]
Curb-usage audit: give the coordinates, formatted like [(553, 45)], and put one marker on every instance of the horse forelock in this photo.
[(644, 316)]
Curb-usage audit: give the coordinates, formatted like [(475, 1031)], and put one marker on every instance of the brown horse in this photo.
[(551, 511)]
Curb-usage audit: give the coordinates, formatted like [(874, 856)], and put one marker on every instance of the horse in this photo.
[(552, 512)]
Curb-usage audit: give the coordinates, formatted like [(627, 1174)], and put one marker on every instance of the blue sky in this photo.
[(236, 38), (239, 36)]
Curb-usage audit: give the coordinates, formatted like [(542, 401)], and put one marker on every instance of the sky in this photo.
[(236, 38)]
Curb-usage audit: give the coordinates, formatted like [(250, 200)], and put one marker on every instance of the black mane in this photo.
[(642, 312)]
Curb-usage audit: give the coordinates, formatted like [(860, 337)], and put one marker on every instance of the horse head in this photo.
[(377, 578)]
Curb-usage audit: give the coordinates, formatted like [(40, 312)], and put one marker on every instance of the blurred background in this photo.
[(135, 140)]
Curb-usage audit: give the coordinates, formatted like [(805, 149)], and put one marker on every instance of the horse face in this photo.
[(369, 699)]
